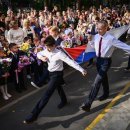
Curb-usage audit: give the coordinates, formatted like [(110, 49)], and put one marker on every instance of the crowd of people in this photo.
[(22, 36)]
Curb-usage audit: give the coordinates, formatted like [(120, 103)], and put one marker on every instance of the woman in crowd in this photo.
[(28, 30), (15, 34)]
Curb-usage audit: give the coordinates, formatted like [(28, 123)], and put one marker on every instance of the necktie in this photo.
[(15, 55), (100, 44)]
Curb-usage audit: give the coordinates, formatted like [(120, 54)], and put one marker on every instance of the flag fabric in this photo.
[(79, 55), (84, 53), (118, 32)]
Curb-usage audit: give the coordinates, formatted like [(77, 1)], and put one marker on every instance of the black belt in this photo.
[(55, 72), (104, 58)]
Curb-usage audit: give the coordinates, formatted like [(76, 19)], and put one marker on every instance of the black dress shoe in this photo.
[(18, 90), (103, 98), (86, 107), (24, 88), (61, 105), (89, 65), (30, 119), (127, 69)]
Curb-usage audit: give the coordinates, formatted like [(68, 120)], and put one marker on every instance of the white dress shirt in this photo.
[(108, 45), (56, 58)]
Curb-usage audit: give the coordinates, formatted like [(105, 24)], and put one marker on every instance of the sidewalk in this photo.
[(15, 95), (118, 118)]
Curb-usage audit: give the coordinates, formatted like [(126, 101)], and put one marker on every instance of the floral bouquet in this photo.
[(25, 47), (76, 41), (23, 61), (38, 49), (32, 54), (66, 43), (5, 63)]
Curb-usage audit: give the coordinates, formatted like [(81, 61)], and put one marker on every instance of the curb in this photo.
[(4, 108), (21, 98)]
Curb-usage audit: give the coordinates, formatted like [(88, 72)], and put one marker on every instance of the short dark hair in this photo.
[(49, 41), (26, 38), (104, 22), (11, 45), (97, 18)]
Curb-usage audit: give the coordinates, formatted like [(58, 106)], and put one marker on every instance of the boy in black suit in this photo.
[(16, 74)]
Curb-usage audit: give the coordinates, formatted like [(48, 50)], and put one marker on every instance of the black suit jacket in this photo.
[(93, 30), (15, 60), (1, 72), (58, 41)]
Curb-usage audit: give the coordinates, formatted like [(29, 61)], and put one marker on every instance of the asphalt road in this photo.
[(77, 90)]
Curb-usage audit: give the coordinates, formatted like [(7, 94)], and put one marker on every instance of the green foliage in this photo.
[(62, 4), (38, 4)]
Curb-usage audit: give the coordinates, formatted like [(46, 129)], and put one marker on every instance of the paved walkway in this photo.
[(118, 118)]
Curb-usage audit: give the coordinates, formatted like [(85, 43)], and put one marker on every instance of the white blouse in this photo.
[(15, 36)]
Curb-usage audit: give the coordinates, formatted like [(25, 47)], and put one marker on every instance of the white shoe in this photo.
[(28, 77), (8, 95), (34, 85), (5, 97)]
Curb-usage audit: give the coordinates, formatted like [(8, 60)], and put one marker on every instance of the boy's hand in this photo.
[(6, 75), (84, 73), (44, 59)]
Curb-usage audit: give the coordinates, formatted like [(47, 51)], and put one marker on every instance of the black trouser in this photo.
[(91, 61), (54, 83), (20, 83), (128, 66), (41, 73), (103, 64)]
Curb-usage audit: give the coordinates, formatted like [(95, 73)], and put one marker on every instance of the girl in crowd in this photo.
[(3, 78)]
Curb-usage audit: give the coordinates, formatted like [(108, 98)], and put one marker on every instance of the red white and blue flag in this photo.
[(79, 54), (86, 52)]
